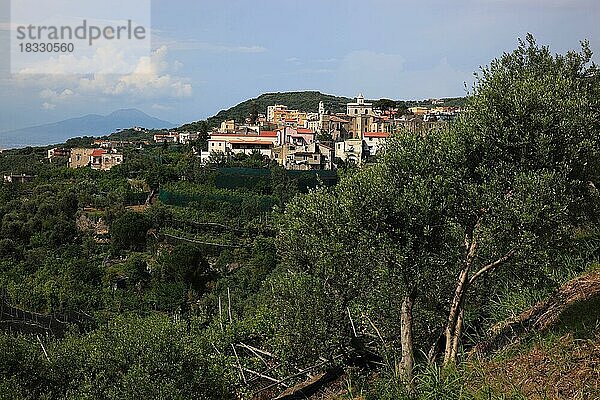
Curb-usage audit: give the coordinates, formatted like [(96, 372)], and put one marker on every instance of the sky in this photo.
[(210, 55)]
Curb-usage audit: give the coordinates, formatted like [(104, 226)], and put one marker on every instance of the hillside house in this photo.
[(16, 178), (350, 150), (373, 141), (246, 142), (313, 156), (99, 159), (58, 152)]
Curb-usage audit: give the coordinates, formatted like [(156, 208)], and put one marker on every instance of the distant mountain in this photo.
[(88, 125), (305, 101)]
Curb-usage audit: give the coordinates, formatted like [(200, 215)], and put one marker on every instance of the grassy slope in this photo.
[(558, 362), (561, 363)]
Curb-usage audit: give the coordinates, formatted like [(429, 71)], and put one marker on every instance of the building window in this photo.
[(212, 144)]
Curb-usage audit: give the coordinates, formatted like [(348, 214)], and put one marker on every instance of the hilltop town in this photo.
[(295, 139), (304, 140)]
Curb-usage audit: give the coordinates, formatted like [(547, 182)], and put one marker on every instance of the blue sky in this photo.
[(210, 55)]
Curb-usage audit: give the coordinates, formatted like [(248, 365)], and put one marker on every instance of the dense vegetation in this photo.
[(238, 279)]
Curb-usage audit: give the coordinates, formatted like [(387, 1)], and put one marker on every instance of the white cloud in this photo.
[(103, 60), (152, 77), (326, 60), (54, 95), (161, 107), (192, 44)]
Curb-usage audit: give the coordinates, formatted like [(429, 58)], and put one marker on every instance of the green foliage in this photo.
[(382, 233), (129, 231), (132, 357), (385, 104), (305, 321), (187, 264)]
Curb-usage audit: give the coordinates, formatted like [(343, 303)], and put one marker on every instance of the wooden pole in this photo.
[(229, 305), (239, 364), (43, 348), (220, 317), (351, 322)]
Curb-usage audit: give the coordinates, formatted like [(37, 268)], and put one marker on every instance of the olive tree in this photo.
[(383, 233), (515, 175), (531, 152)]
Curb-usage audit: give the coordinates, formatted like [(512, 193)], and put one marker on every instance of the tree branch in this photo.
[(493, 265)]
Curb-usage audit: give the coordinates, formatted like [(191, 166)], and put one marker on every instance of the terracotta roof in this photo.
[(237, 135), (98, 152), (268, 133), (250, 142), (304, 130), (377, 134)]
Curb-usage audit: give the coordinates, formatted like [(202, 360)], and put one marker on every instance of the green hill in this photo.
[(304, 101)]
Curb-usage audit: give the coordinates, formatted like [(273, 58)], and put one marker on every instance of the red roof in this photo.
[(304, 130), (98, 152), (377, 134), (250, 142), (253, 134), (268, 133)]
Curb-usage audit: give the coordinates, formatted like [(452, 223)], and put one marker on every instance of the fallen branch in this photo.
[(541, 316), (305, 389), (304, 371), (262, 375)]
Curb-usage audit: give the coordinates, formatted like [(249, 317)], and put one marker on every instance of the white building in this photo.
[(360, 107), (350, 150), (166, 138), (235, 143), (187, 137), (374, 141)]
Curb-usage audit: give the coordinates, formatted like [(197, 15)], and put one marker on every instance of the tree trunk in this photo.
[(454, 328), (407, 362), (457, 335), (456, 307), (454, 316)]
